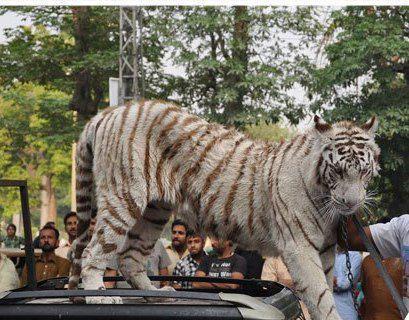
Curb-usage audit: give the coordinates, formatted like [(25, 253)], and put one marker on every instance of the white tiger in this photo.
[(144, 161)]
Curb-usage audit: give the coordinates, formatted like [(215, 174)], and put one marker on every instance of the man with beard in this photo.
[(36, 241), (48, 265), (188, 265), (226, 264), (70, 225), (178, 248)]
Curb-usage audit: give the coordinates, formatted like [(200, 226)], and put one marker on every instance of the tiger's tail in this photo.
[(84, 198)]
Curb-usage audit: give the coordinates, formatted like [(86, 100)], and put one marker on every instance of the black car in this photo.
[(255, 299)]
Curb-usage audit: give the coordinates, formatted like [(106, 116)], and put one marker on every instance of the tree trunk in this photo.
[(52, 212), (82, 101), (240, 57), (48, 201), (73, 178)]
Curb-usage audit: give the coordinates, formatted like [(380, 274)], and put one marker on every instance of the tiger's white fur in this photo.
[(137, 164)]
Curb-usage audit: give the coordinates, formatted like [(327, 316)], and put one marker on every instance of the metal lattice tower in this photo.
[(131, 74)]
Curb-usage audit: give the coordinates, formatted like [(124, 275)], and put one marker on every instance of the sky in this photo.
[(9, 20)]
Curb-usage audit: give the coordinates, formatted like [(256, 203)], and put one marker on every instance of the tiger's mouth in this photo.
[(345, 208)]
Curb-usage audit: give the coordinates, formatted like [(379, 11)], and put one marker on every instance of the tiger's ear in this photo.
[(371, 125), (320, 125)]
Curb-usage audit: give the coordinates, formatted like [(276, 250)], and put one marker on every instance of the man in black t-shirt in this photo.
[(226, 264)]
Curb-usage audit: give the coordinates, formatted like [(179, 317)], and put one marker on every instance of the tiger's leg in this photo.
[(108, 237), (140, 242), (305, 267), (328, 260)]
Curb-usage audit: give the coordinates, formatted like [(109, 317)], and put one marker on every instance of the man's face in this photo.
[(218, 245), (48, 240), (178, 236), (71, 226), (195, 245), (11, 232)]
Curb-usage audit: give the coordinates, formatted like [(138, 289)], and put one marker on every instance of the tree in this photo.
[(76, 49), (72, 49), (238, 62), (36, 134), (368, 74)]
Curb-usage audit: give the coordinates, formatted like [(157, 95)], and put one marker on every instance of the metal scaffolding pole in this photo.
[(131, 75)]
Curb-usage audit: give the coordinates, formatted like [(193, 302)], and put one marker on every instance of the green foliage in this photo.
[(49, 51), (236, 63), (370, 46), (54, 52), (269, 132), (236, 60), (37, 131)]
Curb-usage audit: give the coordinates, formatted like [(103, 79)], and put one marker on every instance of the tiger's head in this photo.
[(349, 159)]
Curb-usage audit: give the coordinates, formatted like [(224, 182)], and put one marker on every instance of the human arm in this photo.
[(164, 263), (202, 271), (178, 271), (163, 272), (355, 242), (390, 237), (212, 285), (110, 273), (238, 270)]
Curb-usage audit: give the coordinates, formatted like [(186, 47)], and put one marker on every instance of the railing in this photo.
[(28, 238)]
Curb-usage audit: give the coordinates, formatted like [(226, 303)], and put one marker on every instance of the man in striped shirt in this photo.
[(188, 265)]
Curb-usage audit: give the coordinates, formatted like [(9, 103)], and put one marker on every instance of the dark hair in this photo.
[(179, 222), (69, 215), (192, 233), (12, 225), (48, 227), (49, 224), (385, 219)]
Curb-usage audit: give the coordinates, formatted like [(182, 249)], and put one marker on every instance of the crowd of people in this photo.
[(192, 254)]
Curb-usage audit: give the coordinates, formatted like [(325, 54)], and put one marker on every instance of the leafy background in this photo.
[(235, 65)]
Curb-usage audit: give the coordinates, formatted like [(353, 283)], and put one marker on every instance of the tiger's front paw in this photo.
[(167, 288)]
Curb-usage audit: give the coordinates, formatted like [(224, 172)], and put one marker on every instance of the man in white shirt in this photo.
[(391, 240), (178, 248), (70, 225)]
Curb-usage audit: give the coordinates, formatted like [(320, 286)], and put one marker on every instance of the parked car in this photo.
[(255, 299)]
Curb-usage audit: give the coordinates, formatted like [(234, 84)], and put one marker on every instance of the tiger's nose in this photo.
[(350, 203)]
